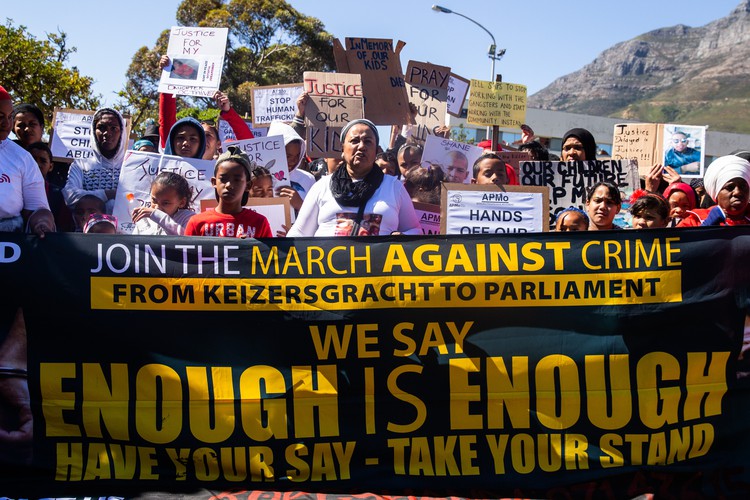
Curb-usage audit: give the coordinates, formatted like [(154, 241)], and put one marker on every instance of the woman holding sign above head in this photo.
[(168, 117), (357, 199), (578, 145)]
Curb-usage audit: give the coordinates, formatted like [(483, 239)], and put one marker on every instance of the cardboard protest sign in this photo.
[(72, 137), (427, 88), (497, 103), (429, 217), (640, 141), (489, 209), (226, 134), (196, 56), (269, 153), (278, 211), (386, 102), (569, 181), (456, 159), (138, 172), (335, 100), (458, 87), (276, 102), (684, 149), (678, 146), (514, 158)]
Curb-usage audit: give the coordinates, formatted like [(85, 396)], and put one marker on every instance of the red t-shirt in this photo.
[(246, 224)]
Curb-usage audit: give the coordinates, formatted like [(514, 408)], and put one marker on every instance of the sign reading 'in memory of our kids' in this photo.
[(489, 209), (335, 100), (276, 102), (379, 63), (196, 57), (427, 87), (497, 103), (138, 172), (71, 136)]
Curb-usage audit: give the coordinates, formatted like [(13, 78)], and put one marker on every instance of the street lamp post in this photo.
[(491, 51)]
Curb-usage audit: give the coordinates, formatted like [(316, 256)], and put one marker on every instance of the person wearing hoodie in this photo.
[(98, 175), (186, 138), (300, 180)]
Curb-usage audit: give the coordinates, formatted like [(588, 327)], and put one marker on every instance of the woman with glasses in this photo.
[(681, 157)]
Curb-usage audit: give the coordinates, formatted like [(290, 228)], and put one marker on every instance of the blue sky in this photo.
[(544, 40)]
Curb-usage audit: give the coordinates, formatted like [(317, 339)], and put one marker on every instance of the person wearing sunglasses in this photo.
[(682, 158)]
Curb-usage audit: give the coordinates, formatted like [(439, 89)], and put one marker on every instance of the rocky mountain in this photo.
[(697, 76)]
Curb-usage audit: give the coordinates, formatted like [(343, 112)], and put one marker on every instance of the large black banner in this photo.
[(571, 364)]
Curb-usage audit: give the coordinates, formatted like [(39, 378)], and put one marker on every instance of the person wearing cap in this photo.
[(144, 145), (231, 182), (99, 173), (357, 199), (22, 194), (727, 181)]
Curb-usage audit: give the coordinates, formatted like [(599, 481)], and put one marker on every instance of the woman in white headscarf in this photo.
[(727, 181), (357, 199)]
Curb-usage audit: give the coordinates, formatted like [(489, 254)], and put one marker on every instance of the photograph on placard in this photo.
[(456, 159), (684, 149)]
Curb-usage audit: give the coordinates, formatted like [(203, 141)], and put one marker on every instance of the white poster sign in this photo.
[(196, 57), (482, 209), (456, 159), (270, 153), (278, 102), (226, 134), (138, 172), (568, 182), (72, 137)]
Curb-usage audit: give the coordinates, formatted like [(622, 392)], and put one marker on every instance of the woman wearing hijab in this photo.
[(578, 145), (727, 181), (357, 199)]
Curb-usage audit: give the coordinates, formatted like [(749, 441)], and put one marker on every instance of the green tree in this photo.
[(34, 71), (269, 43)]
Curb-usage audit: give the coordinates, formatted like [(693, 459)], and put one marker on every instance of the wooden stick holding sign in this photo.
[(335, 100), (427, 88), (490, 209)]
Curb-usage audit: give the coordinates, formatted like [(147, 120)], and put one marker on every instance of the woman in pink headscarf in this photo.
[(681, 199)]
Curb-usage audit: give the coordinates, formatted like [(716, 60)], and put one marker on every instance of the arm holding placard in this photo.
[(229, 115), (298, 124), (167, 109)]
